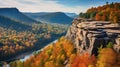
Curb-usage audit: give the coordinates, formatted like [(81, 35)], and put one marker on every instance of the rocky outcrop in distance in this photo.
[(90, 35)]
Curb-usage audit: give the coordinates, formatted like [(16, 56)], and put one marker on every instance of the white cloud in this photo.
[(40, 6)]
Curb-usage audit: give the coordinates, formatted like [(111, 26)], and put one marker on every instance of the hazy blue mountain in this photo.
[(56, 17), (35, 15), (16, 14), (51, 17), (73, 15), (13, 24)]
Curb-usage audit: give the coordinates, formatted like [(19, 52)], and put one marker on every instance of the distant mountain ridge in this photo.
[(13, 24), (16, 14), (31, 18), (37, 14), (57, 17), (51, 17)]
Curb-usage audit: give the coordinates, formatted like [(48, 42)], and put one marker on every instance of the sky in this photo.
[(72, 6)]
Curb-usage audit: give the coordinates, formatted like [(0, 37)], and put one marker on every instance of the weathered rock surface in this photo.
[(90, 35)]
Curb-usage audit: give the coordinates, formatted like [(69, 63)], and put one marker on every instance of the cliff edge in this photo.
[(90, 35)]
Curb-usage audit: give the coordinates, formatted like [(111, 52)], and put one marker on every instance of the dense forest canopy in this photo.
[(63, 53), (16, 42), (108, 12)]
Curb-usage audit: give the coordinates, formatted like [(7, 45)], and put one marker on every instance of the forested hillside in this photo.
[(13, 24), (20, 34), (86, 44), (14, 42), (14, 13), (108, 12), (63, 53)]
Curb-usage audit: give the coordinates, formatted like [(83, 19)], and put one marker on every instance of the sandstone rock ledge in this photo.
[(90, 35)]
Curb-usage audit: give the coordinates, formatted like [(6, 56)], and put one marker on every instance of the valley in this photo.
[(21, 35), (61, 39)]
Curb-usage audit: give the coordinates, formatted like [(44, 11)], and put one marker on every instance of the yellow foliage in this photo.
[(72, 56), (107, 58), (63, 57), (49, 64), (90, 65), (107, 55), (52, 57)]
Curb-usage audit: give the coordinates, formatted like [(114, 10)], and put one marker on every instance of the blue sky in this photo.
[(73, 6), (84, 2)]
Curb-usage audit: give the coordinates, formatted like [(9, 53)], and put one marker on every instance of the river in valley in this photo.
[(27, 55)]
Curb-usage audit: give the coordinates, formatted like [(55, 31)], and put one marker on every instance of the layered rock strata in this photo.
[(90, 35)]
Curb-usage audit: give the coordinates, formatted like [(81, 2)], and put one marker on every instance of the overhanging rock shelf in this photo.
[(90, 35)]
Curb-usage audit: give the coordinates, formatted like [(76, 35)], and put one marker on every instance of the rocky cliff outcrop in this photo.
[(90, 35)]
